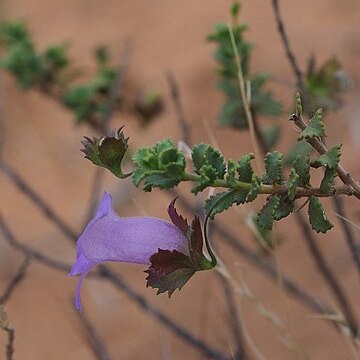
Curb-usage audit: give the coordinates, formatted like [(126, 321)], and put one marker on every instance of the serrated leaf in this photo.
[(273, 168), (285, 208), (160, 181), (302, 168), (255, 188), (292, 184), (266, 238), (315, 128), (204, 154), (328, 179), (330, 159), (220, 202), (169, 270), (317, 217), (245, 169), (208, 175), (161, 166), (266, 216)]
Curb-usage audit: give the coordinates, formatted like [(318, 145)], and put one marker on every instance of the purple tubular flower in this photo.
[(108, 237)]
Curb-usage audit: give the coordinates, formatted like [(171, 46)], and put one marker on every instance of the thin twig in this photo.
[(120, 284), (29, 251), (95, 343), (233, 313), (290, 55), (329, 276), (10, 344), (244, 98), (5, 325), (37, 200), (233, 318), (180, 113), (353, 245), (15, 280)]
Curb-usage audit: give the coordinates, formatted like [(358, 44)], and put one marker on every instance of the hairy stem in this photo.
[(276, 189)]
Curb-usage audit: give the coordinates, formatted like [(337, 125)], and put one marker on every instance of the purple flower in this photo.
[(172, 251)]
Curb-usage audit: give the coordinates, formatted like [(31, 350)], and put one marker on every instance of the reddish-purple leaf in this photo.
[(195, 238), (169, 270), (177, 219)]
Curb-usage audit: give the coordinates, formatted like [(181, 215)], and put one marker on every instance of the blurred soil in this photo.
[(43, 144)]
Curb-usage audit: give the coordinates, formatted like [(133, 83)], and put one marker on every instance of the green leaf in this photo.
[(266, 216), (208, 175), (315, 128), (292, 184), (318, 219), (324, 84), (245, 169), (273, 168), (285, 208), (302, 168), (161, 166), (328, 179), (220, 202), (204, 154), (255, 188), (232, 112), (235, 8), (266, 238), (330, 159)]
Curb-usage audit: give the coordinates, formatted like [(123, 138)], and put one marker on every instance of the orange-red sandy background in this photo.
[(43, 144)]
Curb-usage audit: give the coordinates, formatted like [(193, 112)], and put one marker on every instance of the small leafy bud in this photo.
[(102, 55), (107, 151), (298, 106), (148, 106), (235, 8)]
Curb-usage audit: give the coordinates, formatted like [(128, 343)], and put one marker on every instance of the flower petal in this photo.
[(108, 237)]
